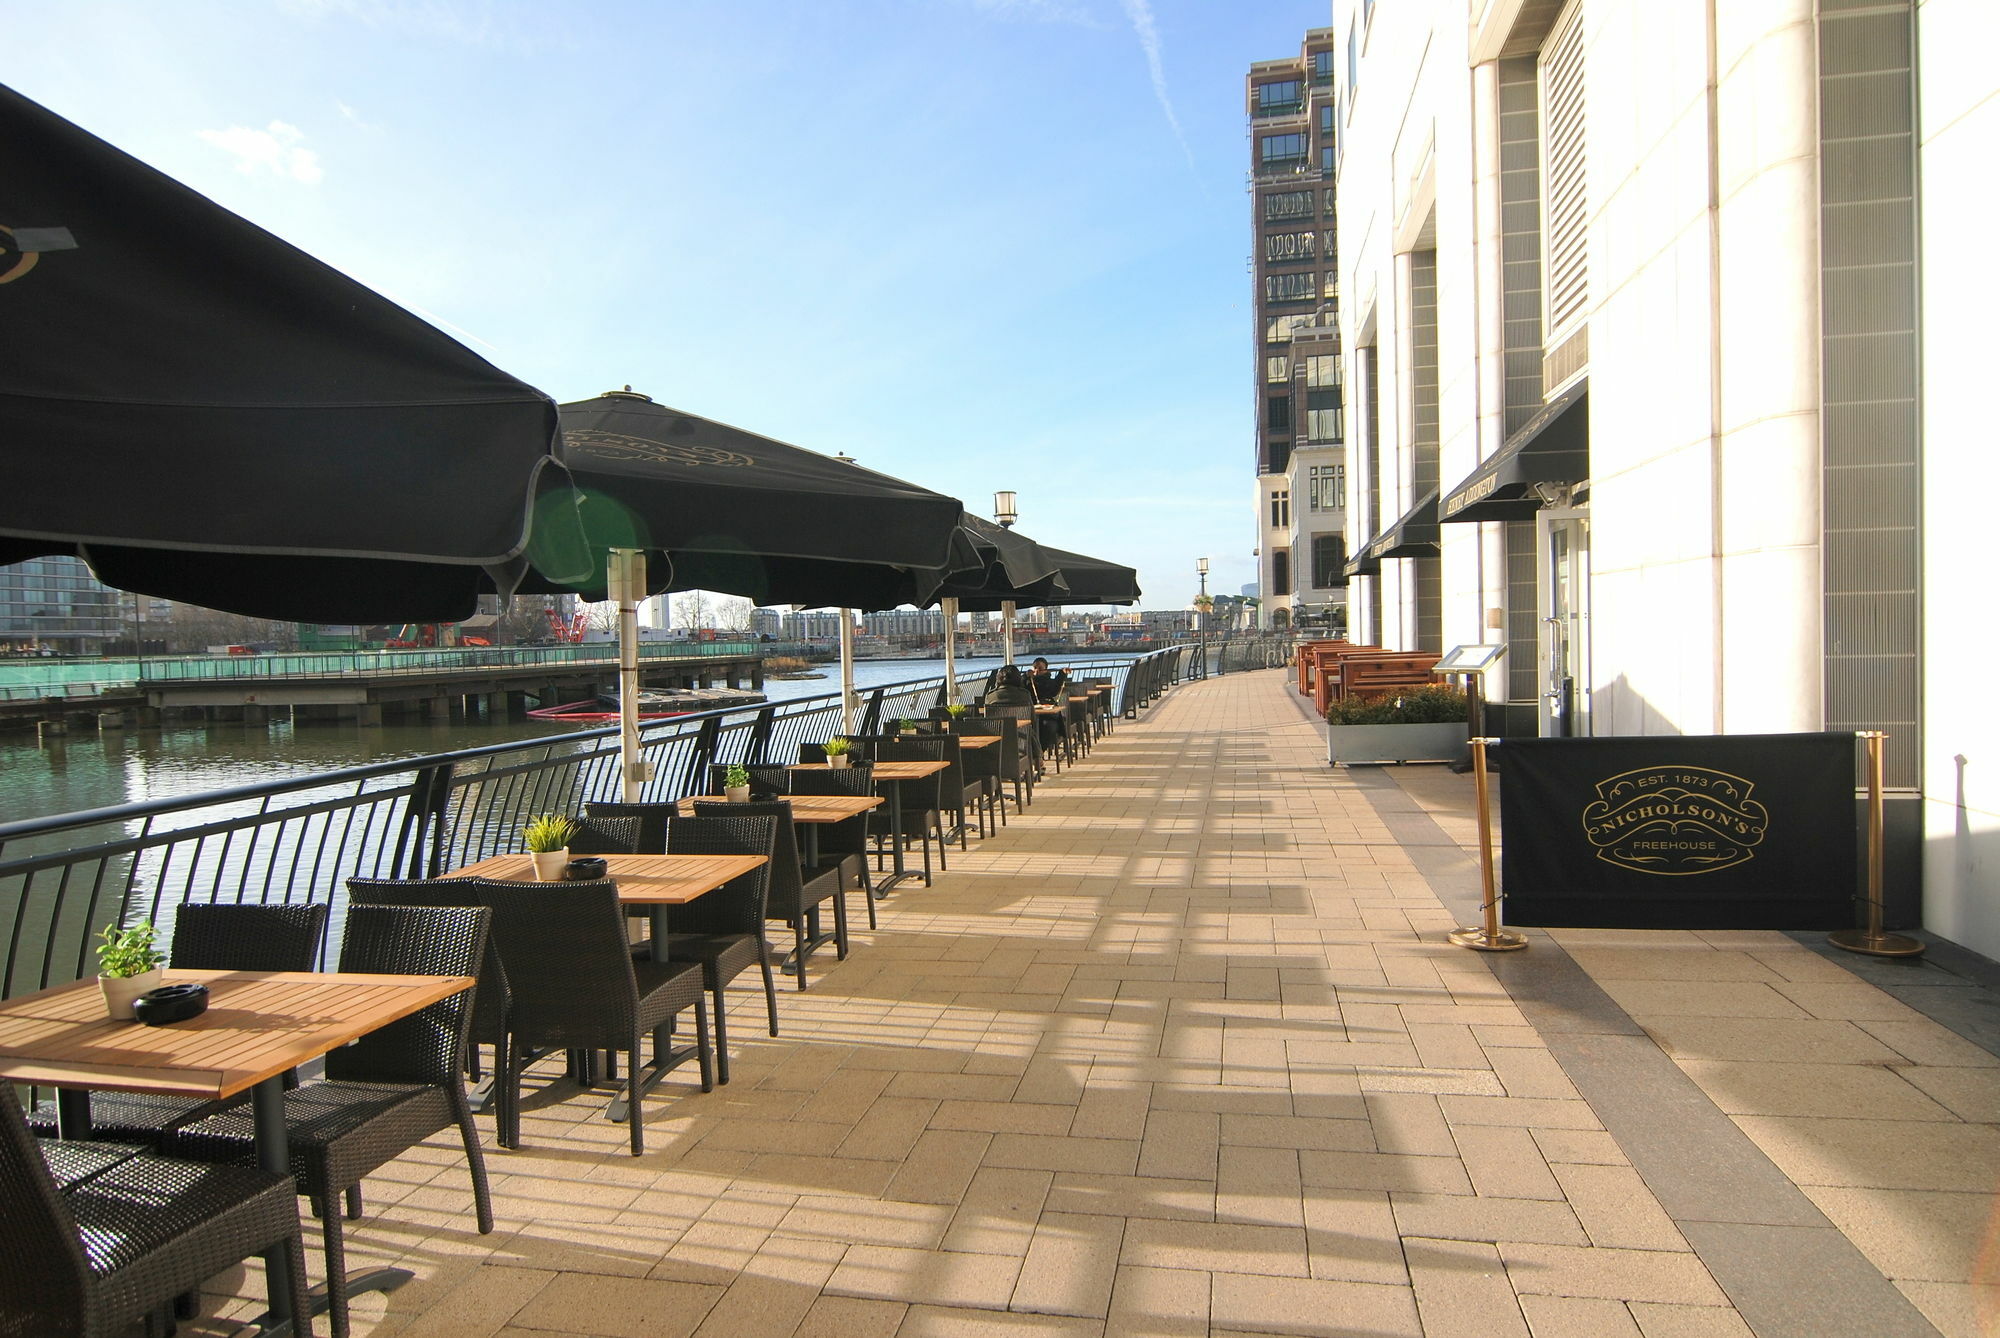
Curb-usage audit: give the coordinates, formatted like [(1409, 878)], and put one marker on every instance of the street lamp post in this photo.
[(1006, 512), (1201, 613)]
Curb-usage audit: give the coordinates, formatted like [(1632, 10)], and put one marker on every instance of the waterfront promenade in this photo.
[(1182, 1052)]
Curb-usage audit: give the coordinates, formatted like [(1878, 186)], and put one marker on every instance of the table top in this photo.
[(888, 770), (977, 740), (817, 807), (1051, 709), (258, 1024), (643, 880)]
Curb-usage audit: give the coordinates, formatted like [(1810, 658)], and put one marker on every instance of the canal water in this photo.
[(131, 766)]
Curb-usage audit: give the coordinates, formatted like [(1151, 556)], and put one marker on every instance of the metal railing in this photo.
[(299, 840), (1233, 654)]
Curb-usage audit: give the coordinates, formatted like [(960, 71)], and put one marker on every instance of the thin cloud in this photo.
[(354, 117), (1140, 12), (278, 147)]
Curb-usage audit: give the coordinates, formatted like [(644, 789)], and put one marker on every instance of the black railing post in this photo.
[(871, 719), (420, 843), (706, 741), (760, 736)]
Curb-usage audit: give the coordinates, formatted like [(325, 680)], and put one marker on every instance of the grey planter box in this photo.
[(1394, 743)]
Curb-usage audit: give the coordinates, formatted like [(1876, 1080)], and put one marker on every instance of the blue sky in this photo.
[(979, 244)]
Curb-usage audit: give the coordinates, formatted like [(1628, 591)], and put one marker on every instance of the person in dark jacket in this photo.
[(1011, 691), (1047, 687)]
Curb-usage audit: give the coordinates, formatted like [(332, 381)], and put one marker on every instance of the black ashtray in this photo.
[(170, 1003), (584, 869)]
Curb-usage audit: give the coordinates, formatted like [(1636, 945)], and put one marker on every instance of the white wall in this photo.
[(1959, 126)]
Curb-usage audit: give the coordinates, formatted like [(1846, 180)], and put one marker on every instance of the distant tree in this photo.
[(694, 610), (732, 615)]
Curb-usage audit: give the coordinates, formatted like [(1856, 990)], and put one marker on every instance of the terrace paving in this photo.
[(1182, 1052)]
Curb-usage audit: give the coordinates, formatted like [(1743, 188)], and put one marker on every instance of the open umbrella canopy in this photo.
[(718, 508), (1072, 579), (182, 391)]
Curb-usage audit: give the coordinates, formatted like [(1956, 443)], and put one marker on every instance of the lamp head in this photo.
[(1004, 510)]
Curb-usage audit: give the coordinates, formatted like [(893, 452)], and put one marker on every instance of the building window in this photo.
[(1298, 286), (1326, 118), (1282, 205), (1282, 151), (1279, 329), (1278, 413), (1331, 286), (1281, 508), (1322, 63), (1322, 371), (1283, 246), (1327, 204), (1281, 571), (1565, 226), (1329, 561), (1323, 426), (1285, 98), (1278, 370), (1326, 487)]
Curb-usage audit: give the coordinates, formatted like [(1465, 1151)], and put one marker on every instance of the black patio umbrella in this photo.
[(720, 508), (203, 412), (713, 507), (1077, 579)]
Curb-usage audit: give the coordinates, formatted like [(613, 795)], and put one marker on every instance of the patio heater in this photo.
[(1006, 512)]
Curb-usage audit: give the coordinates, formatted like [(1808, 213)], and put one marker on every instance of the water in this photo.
[(130, 766)]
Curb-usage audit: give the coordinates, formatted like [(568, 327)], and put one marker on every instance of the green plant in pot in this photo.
[(837, 751), (1416, 724), (906, 726), (129, 963), (736, 784), (547, 838), (955, 710)]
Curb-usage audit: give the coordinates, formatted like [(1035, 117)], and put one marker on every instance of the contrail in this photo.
[(1140, 12)]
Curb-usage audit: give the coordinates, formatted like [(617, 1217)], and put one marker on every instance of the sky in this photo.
[(977, 244)]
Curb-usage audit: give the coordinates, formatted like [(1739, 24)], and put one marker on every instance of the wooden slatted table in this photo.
[(259, 1026), (655, 882), (810, 812)]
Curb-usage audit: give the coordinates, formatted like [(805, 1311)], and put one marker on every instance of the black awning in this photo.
[(1362, 565), (1551, 447), (1414, 534)]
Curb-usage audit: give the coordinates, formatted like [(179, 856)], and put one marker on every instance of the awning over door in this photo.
[(1551, 447)]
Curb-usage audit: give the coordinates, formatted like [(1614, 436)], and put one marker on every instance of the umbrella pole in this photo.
[(1006, 631), (949, 607), (850, 704), (626, 576)]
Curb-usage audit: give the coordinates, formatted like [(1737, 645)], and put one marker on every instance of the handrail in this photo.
[(299, 839)]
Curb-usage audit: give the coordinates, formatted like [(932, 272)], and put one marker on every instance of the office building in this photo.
[(1297, 373), (55, 604), (1665, 327)]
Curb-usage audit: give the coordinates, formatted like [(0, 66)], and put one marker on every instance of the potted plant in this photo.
[(128, 964), (736, 784), (547, 838), (906, 726), (836, 751), (955, 710), (1426, 724)]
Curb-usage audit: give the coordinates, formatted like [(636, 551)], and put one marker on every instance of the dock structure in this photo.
[(355, 693)]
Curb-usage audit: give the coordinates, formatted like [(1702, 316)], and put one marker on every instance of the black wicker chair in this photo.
[(384, 1093), (1028, 738), (596, 835), (1009, 761), (208, 936), (724, 929), (119, 1244), (926, 799), (794, 896), (576, 986), (844, 844), (489, 1003), (652, 821), (765, 782)]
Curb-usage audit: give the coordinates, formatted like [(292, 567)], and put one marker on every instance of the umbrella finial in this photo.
[(626, 394)]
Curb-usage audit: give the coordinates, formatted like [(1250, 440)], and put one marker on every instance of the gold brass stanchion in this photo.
[(1489, 936), (1873, 940)]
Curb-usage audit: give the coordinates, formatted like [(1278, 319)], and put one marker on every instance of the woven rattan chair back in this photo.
[(944, 789), (489, 1006), (225, 936), (765, 782), (569, 962), (429, 1045), (738, 906), (786, 892), (44, 1279), (604, 836), (652, 821)]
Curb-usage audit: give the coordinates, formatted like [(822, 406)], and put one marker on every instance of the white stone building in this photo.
[(1661, 324)]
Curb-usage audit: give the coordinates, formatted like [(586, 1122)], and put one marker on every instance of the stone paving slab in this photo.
[(1182, 1051)]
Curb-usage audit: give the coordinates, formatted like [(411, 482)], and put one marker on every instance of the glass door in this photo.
[(1562, 555)]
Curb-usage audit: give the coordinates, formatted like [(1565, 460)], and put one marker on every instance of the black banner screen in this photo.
[(1736, 831)]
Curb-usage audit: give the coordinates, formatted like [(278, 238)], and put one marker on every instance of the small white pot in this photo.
[(736, 794), (120, 991), (838, 761), (549, 864)]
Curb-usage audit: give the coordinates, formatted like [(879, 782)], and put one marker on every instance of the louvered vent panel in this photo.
[(1566, 218)]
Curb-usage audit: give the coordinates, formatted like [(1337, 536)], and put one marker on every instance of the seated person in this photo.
[(1011, 690), (1047, 687)]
